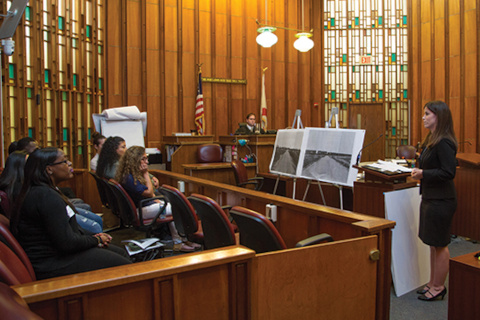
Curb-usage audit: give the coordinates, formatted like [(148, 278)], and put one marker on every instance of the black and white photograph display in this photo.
[(286, 152), (320, 154)]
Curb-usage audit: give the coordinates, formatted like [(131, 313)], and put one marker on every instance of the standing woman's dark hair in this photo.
[(97, 137), (11, 179), (34, 175), (444, 128), (109, 154)]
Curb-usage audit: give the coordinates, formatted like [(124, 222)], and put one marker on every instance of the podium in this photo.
[(466, 220), (368, 194)]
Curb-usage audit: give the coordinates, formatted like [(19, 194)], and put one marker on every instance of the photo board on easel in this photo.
[(320, 154)]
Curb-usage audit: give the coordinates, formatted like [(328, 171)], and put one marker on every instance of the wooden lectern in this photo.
[(466, 220), (368, 194)]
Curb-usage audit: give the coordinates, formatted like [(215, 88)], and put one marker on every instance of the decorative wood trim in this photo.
[(461, 131)]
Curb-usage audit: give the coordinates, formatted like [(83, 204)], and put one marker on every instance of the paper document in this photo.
[(389, 166), (137, 246)]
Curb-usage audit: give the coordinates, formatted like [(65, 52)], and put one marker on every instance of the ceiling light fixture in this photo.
[(266, 38), (303, 43)]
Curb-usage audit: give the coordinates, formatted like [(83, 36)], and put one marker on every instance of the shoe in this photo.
[(441, 294), (182, 247), (424, 290), (193, 244)]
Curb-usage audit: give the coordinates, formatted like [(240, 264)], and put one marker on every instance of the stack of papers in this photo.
[(136, 246), (388, 166)]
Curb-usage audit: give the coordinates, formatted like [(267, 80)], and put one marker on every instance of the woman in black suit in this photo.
[(436, 171)]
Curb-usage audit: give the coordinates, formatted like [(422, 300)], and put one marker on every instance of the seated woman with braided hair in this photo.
[(44, 223)]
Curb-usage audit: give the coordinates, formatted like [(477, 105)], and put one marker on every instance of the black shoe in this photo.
[(440, 295), (423, 291)]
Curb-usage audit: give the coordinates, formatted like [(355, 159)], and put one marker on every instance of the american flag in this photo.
[(199, 116)]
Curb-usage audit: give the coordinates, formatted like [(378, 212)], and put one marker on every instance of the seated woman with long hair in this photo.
[(11, 179), (44, 223), (133, 175), (112, 150)]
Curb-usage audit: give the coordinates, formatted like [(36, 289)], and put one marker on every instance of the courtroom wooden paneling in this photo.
[(463, 284), (444, 54), (216, 282), (153, 50)]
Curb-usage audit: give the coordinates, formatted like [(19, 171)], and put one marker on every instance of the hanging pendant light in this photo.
[(266, 38), (303, 43)]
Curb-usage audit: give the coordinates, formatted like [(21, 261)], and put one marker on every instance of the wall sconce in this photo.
[(267, 38)]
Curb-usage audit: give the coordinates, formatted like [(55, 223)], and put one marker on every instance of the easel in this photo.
[(299, 123)]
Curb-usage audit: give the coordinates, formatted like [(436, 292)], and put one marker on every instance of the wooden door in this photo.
[(370, 117), (332, 281)]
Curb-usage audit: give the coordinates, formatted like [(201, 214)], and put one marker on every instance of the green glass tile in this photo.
[(326, 99), (394, 131), (357, 94), (65, 134), (29, 93), (333, 94), (61, 23), (405, 68), (28, 14), (405, 20), (373, 25), (80, 150), (373, 99), (64, 96), (100, 49), (325, 27), (47, 76), (398, 98), (30, 132), (89, 31), (376, 68), (380, 21), (394, 57), (100, 84), (344, 106), (329, 69), (75, 80), (405, 141), (344, 58), (398, 25), (89, 133), (350, 26), (11, 71), (380, 94), (332, 22), (405, 94), (353, 68), (89, 98), (350, 99), (357, 21), (75, 42)]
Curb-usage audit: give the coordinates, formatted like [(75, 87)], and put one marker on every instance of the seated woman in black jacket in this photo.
[(44, 222)]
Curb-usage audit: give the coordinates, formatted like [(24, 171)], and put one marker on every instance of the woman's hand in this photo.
[(155, 183), (105, 239), (417, 174), (143, 167)]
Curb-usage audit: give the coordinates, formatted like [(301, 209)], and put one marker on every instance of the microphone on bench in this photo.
[(360, 152)]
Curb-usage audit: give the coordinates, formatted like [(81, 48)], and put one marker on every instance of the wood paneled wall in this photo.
[(444, 55), (154, 46)]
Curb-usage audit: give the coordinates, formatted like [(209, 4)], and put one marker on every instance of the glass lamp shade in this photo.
[(303, 43), (266, 38)]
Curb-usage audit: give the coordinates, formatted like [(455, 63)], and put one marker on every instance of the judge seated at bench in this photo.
[(250, 127)]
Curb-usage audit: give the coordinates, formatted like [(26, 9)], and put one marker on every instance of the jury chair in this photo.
[(13, 307), (131, 215), (12, 269), (406, 152), (259, 234), (217, 229), (241, 177), (13, 244), (102, 188), (4, 203), (209, 153), (183, 213)]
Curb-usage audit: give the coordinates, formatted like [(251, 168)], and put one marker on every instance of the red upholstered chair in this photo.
[(406, 152), (241, 177), (209, 153), (5, 203), (183, 213), (13, 244), (130, 215), (13, 307), (217, 228), (259, 234), (12, 269)]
